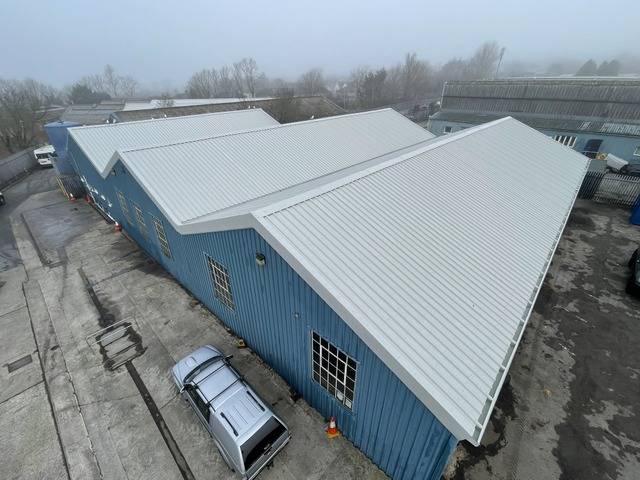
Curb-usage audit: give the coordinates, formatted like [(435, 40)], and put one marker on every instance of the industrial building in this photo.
[(594, 116), (387, 288)]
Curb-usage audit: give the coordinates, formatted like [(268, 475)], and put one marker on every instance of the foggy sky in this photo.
[(161, 43)]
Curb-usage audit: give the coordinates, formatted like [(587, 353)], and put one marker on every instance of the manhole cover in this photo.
[(21, 362)]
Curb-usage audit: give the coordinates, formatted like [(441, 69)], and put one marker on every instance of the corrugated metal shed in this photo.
[(180, 102), (603, 98), (630, 128), (99, 142), (229, 170), (438, 270)]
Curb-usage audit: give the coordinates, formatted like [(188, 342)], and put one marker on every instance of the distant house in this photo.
[(388, 292), (594, 116)]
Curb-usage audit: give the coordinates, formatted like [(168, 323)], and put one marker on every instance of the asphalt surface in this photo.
[(39, 181), (571, 407)]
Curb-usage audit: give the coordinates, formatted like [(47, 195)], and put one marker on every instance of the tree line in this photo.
[(24, 104)]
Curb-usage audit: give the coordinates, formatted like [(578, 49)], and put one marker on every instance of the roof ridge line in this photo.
[(251, 130), (354, 177), (102, 125)]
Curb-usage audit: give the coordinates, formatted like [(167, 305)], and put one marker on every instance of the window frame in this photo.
[(199, 402), (221, 282), (161, 235), (447, 129), (124, 206), (636, 152), (350, 363), (142, 225)]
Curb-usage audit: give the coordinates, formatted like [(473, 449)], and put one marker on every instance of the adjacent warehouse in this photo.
[(594, 116), (388, 292)]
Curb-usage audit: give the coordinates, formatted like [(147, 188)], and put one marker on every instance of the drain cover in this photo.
[(21, 362), (118, 344)]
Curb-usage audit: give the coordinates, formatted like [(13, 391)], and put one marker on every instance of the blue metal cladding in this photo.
[(57, 133), (275, 312), (93, 181)]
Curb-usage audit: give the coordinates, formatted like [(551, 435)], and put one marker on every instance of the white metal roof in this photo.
[(435, 258), (218, 173), (99, 142), (432, 251), (184, 102)]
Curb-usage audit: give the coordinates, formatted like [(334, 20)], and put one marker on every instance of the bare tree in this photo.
[(484, 60), (311, 82), (112, 81), (415, 76), (165, 101), (203, 84), (128, 86), (23, 105), (245, 76), (226, 82)]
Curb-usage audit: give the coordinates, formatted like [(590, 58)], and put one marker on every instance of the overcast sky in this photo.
[(162, 42)]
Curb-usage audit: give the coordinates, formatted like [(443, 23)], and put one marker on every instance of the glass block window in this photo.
[(162, 238), (334, 370), (142, 226), (124, 206), (221, 282)]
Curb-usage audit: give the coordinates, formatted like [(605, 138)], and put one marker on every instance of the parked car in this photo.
[(44, 155), (633, 284), (247, 433), (2, 201)]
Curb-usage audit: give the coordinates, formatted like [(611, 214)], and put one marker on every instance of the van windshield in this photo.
[(261, 442)]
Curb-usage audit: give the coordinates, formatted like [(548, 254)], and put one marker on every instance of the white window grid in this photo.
[(221, 282), (124, 207), (333, 370), (567, 140), (162, 238), (142, 226)]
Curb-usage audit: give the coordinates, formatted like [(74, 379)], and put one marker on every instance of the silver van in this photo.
[(247, 433)]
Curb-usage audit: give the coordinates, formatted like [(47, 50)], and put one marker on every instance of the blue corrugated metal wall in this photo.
[(92, 179), (57, 133), (275, 311)]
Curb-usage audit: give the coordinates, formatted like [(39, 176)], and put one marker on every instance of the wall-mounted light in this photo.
[(261, 260)]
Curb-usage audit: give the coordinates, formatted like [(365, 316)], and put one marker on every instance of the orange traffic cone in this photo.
[(332, 430), (118, 227)]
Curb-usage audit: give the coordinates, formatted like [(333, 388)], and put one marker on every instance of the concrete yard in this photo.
[(129, 422), (568, 411)]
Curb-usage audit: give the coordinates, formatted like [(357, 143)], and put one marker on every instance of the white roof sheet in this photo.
[(435, 258), (229, 170), (184, 102), (432, 251), (99, 142)]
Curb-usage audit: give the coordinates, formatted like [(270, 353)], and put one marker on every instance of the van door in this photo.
[(199, 405)]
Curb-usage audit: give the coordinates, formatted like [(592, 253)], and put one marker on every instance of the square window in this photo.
[(124, 207), (333, 369), (448, 129), (142, 226), (221, 282), (162, 238)]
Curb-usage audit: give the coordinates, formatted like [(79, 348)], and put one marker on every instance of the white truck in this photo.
[(44, 155)]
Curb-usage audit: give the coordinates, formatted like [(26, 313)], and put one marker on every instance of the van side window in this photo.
[(203, 408)]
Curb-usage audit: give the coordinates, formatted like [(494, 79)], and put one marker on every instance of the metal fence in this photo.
[(622, 190), (16, 165)]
